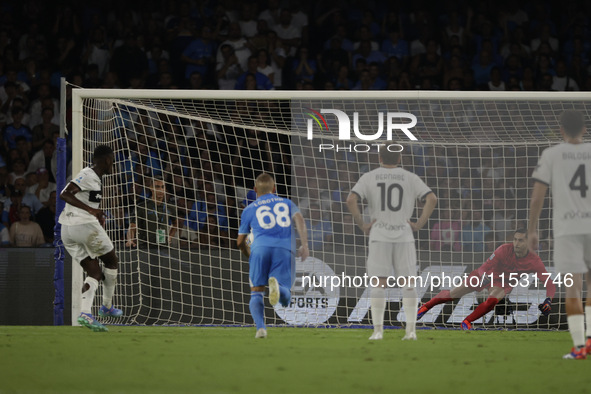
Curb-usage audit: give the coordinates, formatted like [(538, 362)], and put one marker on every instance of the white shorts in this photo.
[(385, 256), (572, 254), (84, 240)]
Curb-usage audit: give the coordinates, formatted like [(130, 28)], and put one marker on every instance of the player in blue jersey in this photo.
[(271, 254)]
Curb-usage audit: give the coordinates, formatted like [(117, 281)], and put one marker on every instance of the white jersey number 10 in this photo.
[(388, 196)]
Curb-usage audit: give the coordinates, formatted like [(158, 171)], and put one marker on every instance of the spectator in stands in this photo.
[(278, 57), (248, 21), (271, 14), (229, 69), (15, 129), (482, 68), (366, 53), (25, 233), (545, 37), (428, 65), (562, 81), (185, 236), (288, 33), (28, 199), (474, 230), (46, 218), (261, 80), (446, 233), (19, 170), (43, 101), (148, 160), (503, 219), (315, 194), (215, 224), (364, 82), (496, 83), (43, 188), (395, 46), (342, 81), (129, 60), (24, 148), (238, 43), (264, 65), (252, 159), (45, 158), (199, 55), (153, 224), (44, 130), (12, 89), (320, 234), (304, 67), (544, 66), (98, 50), (208, 216)]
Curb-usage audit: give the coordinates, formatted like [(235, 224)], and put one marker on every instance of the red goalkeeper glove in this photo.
[(546, 306)]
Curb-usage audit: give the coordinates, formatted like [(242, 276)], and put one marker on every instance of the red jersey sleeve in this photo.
[(493, 262)]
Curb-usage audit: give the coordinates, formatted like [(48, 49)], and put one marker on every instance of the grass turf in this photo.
[(290, 360)]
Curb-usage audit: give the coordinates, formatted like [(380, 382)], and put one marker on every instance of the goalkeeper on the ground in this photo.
[(510, 258)]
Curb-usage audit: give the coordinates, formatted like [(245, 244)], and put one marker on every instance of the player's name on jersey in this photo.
[(393, 177), (576, 155), (267, 201)]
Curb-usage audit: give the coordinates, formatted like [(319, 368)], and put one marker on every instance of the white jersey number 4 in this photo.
[(578, 182), (267, 220)]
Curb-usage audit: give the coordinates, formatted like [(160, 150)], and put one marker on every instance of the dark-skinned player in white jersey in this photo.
[(85, 238)]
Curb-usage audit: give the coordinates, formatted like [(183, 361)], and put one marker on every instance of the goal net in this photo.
[(476, 151)]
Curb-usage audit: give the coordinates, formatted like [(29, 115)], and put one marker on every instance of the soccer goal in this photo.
[(475, 150)]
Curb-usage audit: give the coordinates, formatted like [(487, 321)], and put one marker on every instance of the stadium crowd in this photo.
[(332, 45)]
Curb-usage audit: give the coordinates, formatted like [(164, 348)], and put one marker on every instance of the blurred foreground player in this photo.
[(510, 258), (271, 254), (85, 238), (566, 168)]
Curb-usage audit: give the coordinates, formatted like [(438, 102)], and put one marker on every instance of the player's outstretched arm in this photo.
[(430, 203), (300, 224), (353, 205), (537, 203), (68, 195), (242, 245)]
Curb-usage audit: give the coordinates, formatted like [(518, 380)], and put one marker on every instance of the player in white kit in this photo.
[(85, 238), (391, 192), (566, 168)]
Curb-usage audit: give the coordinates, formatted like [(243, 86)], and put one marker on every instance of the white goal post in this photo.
[(476, 150)]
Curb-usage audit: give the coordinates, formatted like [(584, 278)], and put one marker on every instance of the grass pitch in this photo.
[(290, 360)]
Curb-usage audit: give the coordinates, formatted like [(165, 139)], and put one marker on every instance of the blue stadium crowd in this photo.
[(274, 44)]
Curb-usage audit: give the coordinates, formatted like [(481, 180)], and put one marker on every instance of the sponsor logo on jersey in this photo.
[(95, 196), (577, 215)]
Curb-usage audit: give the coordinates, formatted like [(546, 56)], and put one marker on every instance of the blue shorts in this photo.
[(266, 262)]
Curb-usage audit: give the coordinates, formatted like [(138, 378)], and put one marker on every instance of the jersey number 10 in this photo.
[(268, 219), (388, 197)]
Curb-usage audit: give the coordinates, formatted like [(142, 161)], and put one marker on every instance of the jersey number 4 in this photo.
[(578, 181), (268, 219), (388, 196)]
